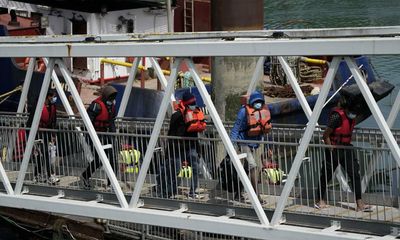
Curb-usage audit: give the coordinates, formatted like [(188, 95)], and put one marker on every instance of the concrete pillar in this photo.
[(231, 75)]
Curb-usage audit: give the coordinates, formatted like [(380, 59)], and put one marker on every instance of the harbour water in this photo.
[(295, 14)]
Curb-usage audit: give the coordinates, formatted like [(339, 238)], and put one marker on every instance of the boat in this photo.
[(284, 109), (64, 18)]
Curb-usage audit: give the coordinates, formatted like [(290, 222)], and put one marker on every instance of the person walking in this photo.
[(252, 123), (338, 133), (102, 114), (48, 120), (187, 121)]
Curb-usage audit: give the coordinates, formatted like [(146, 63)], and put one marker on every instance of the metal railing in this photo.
[(60, 152)]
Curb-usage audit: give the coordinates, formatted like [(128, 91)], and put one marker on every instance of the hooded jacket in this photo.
[(101, 114), (239, 130)]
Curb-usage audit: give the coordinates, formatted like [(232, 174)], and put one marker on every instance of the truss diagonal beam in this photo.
[(307, 110), (93, 135), (4, 179), (27, 83), (395, 111), (128, 88), (34, 127), (228, 145), (305, 141), (160, 75), (21, 104), (60, 91), (296, 87), (373, 106), (155, 134)]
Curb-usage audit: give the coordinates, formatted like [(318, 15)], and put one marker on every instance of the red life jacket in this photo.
[(258, 121), (47, 116), (103, 119), (194, 119), (342, 135)]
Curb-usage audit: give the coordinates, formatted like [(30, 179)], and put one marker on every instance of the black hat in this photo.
[(188, 98)]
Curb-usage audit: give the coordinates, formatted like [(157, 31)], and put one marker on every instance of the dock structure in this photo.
[(286, 208)]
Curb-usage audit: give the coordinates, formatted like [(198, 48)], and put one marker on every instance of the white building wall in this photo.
[(16, 5), (145, 20)]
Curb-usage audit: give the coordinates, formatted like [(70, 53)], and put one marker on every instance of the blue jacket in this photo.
[(239, 130)]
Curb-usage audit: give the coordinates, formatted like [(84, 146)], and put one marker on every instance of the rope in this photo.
[(340, 88), (7, 94)]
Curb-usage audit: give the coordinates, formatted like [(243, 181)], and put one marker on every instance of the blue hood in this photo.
[(256, 96)]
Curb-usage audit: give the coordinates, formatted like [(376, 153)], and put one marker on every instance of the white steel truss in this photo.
[(341, 48)]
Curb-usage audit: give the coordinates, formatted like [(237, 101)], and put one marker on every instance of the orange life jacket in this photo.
[(342, 135), (258, 121), (103, 120), (194, 119)]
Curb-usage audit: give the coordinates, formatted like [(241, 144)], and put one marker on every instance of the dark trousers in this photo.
[(169, 171), (43, 160), (346, 158), (96, 163)]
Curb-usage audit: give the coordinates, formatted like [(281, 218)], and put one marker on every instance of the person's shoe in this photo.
[(53, 179), (362, 207), (39, 179), (366, 208), (109, 188), (262, 200), (238, 198), (85, 183), (194, 196), (320, 205)]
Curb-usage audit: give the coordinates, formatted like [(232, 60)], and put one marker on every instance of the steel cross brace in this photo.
[(390, 121), (161, 77), (128, 88), (373, 106), (395, 111), (228, 145), (305, 141), (154, 135), (21, 104), (34, 127), (93, 135), (307, 110)]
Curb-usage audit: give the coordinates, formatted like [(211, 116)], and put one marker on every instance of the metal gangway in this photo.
[(286, 209)]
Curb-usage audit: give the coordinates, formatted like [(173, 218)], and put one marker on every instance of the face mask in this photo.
[(351, 115), (192, 107), (53, 100), (257, 106)]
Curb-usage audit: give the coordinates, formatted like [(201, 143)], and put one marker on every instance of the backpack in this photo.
[(229, 178)]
